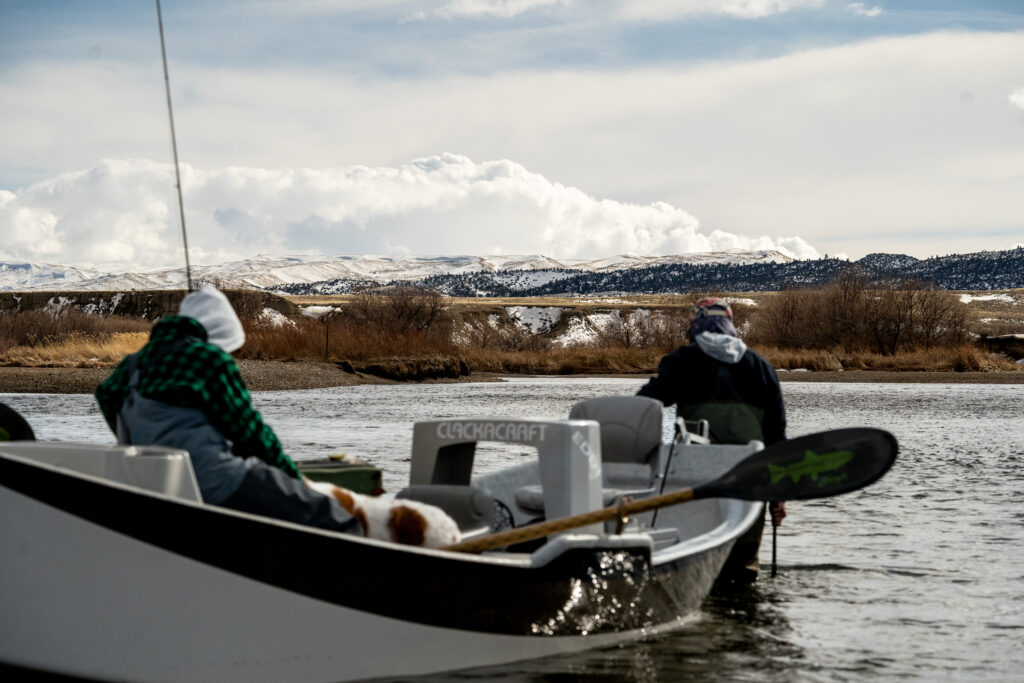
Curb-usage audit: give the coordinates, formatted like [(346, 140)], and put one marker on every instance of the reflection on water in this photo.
[(919, 576)]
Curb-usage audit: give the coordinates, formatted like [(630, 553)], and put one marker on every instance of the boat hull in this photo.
[(105, 581)]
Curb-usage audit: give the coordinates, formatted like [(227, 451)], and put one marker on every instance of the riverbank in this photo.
[(258, 376), (280, 376)]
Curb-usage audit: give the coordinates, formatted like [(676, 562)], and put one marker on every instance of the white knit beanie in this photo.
[(213, 311)]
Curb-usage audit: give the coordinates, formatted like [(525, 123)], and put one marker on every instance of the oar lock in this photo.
[(622, 514)]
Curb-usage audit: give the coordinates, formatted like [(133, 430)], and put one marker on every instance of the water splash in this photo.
[(607, 598)]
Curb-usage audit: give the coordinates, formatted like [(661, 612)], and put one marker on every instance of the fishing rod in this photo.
[(174, 147)]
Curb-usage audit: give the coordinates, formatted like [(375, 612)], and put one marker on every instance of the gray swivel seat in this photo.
[(631, 448)]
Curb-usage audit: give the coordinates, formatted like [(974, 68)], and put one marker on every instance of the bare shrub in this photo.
[(403, 321), (853, 315), (336, 338), (522, 340), (778, 322), (942, 318), (643, 328), (623, 329), (248, 303), (400, 309), (669, 329), (478, 332), (264, 340)]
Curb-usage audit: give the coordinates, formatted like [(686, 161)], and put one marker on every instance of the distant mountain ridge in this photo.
[(282, 272), (978, 271), (536, 275)]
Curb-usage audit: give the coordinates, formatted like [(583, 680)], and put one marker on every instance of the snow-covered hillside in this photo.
[(32, 276), (272, 272)]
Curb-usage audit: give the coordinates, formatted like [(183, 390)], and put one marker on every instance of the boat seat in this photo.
[(167, 471), (631, 448), (474, 510), (531, 497)]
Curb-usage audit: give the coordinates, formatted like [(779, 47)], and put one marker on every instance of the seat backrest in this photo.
[(470, 507), (630, 426)]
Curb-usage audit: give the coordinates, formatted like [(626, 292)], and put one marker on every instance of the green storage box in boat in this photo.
[(352, 475)]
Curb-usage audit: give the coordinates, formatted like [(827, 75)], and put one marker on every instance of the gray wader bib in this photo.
[(732, 421), (225, 479)]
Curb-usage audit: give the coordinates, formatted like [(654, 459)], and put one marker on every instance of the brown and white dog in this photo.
[(398, 521)]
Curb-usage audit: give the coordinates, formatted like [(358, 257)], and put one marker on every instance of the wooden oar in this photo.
[(812, 466)]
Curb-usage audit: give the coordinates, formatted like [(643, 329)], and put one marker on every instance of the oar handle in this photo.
[(554, 526)]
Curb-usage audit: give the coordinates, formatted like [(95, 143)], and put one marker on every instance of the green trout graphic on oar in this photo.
[(812, 466)]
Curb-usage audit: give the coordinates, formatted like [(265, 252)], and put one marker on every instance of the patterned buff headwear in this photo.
[(711, 315)]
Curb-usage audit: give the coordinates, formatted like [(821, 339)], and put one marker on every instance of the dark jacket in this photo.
[(735, 389)]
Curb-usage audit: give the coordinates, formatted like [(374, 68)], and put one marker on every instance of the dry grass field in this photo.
[(402, 344)]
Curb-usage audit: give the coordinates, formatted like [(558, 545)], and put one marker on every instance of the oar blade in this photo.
[(812, 466)]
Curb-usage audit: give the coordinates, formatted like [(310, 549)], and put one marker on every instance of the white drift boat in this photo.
[(112, 567)]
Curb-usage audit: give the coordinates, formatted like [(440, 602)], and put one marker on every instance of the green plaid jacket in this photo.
[(197, 375)]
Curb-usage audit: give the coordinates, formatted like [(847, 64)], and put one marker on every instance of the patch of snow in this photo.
[(602, 321), (463, 335), (520, 279), (275, 318), (735, 300), (317, 311), (639, 315), (535, 319), (968, 298), (580, 332), (55, 305)]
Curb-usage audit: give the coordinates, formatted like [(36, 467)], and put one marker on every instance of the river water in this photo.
[(919, 577)]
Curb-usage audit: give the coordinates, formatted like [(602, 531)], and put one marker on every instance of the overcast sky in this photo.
[(571, 128)]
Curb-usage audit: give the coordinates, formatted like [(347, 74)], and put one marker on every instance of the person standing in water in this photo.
[(718, 379)]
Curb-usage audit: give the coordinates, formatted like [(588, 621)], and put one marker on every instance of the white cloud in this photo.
[(863, 10), (123, 213), (856, 149), (631, 10), (1017, 98), (494, 8), (660, 10)]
